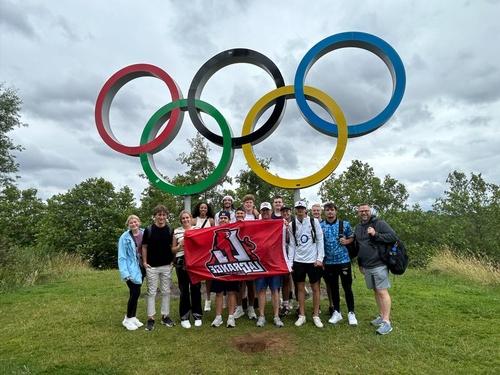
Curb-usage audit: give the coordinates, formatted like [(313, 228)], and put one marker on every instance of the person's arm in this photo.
[(291, 246), (212, 222), (122, 259), (348, 234), (383, 233), (320, 245), (145, 256)]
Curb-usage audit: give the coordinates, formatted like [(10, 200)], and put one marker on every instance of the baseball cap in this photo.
[(228, 197), (225, 213), (284, 208), (265, 205), (300, 204)]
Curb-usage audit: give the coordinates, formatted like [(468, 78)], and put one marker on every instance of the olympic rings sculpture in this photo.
[(172, 114)]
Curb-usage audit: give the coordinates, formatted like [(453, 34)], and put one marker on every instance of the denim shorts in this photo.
[(273, 282), (377, 278)]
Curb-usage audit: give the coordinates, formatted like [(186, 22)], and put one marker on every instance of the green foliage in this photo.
[(250, 183), (420, 232), (470, 213), (87, 220), (199, 168), (358, 185), (10, 107), (21, 211), (151, 197)]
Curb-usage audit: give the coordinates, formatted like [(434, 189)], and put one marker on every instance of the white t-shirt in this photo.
[(305, 251)]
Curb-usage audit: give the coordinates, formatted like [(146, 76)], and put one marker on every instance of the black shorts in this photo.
[(219, 286), (300, 270)]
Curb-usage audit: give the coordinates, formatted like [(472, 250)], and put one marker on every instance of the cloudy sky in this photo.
[(59, 54)]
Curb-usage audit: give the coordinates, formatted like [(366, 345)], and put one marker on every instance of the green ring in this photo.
[(219, 172)]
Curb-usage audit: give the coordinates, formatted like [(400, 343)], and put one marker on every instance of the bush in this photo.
[(25, 266)]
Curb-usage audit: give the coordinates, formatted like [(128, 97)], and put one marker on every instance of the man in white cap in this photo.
[(227, 205), (306, 251)]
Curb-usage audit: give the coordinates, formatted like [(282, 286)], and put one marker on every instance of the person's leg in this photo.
[(165, 285), (301, 295), (334, 285), (346, 280), (152, 285), (134, 293), (184, 301), (196, 300), (330, 296), (208, 285), (275, 298), (316, 297), (285, 291), (384, 300), (231, 302), (218, 303)]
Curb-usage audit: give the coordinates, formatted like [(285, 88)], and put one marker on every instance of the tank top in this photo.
[(200, 221)]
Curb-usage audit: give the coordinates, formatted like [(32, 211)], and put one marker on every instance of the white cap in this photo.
[(300, 204), (264, 205), (228, 197)]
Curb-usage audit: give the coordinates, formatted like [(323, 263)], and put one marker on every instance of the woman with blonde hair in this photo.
[(129, 260), (190, 298)]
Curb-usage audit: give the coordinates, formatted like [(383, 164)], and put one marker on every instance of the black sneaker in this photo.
[(167, 321), (150, 325)]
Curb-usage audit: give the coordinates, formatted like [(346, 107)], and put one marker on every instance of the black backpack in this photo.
[(395, 257), (294, 230), (353, 247)]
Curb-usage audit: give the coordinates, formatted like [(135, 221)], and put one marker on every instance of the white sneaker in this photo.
[(127, 323), (352, 319), (251, 313), (185, 324), (217, 321), (317, 322), (238, 312), (261, 322), (301, 321), (336, 317), (198, 323), (208, 306), (137, 322), (277, 322), (231, 323)]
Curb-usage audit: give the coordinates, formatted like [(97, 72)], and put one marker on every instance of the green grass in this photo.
[(442, 324)]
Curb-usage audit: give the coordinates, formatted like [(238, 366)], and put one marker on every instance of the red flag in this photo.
[(244, 250)]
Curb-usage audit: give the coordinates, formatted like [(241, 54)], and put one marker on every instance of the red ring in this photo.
[(108, 92)]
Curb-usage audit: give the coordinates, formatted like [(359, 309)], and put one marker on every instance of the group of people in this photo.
[(316, 248)]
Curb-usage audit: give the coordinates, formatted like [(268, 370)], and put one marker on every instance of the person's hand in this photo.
[(362, 270), (371, 231), (146, 265), (342, 240), (318, 264)]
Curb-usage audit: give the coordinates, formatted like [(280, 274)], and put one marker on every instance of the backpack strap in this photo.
[(313, 229), (204, 223), (294, 230), (341, 227)]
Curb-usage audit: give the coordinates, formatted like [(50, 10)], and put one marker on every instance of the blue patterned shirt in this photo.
[(335, 253)]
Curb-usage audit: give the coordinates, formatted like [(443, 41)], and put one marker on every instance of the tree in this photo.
[(10, 107), (21, 211), (151, 197), (87, 220), (250, 183), (199, 168), (357, 185), (471, 215)]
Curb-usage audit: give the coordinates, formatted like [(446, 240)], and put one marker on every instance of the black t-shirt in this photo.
[(159, 245), (273, 216)]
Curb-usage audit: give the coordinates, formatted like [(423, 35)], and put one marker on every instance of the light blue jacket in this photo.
[(128, 262)]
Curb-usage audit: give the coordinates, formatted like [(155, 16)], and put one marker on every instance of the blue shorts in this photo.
[(273, 282)]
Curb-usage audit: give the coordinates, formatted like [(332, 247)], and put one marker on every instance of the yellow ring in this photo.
[(320, 98)]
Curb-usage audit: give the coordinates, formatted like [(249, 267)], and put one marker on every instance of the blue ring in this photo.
[(361, 40)]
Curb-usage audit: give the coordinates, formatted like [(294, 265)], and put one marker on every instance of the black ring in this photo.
[(219, 61)]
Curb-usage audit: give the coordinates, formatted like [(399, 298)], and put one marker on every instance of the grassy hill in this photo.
[(443, 324)]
